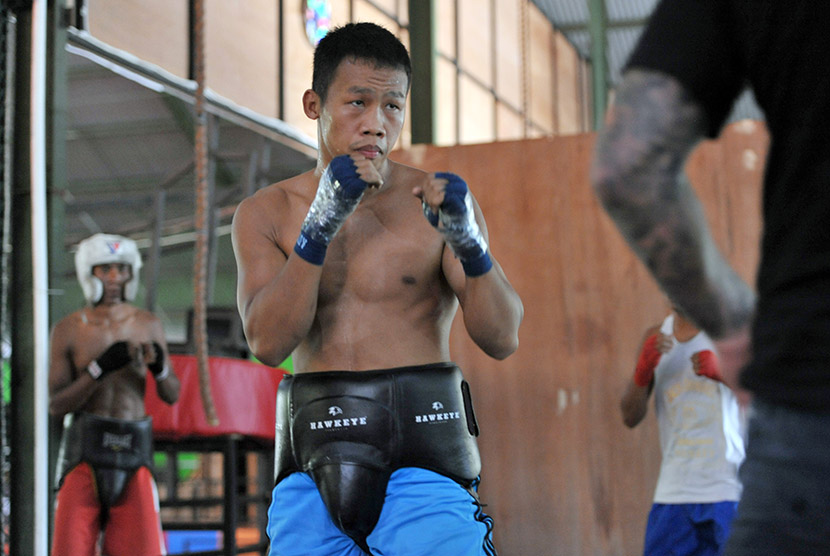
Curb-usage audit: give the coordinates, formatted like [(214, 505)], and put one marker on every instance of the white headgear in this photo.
[(103, 249)]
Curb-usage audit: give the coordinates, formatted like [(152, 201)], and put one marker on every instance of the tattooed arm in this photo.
[(638, 176)]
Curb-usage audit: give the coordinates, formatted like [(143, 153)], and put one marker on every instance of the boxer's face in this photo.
[(363, 113), (113, 276)]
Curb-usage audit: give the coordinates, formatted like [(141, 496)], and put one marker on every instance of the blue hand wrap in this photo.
[(456, 221), (344, 171), (455, 194), (309, 249), (338, 194)]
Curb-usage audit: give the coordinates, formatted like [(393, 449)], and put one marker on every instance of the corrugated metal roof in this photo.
[(625, 20), (628, 10), (564, 13)]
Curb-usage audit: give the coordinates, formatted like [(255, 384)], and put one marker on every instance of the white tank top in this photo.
[(701, 429)]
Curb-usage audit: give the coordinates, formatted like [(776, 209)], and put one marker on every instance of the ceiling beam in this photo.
[(610, 25), (106, 130)]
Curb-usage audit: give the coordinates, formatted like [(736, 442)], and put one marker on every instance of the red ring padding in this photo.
[(244, 393)]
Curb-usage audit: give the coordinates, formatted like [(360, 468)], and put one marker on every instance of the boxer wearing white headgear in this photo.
[(103, 249), (100, 355)]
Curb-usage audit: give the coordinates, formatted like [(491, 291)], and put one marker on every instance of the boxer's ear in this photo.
[(312, 104)]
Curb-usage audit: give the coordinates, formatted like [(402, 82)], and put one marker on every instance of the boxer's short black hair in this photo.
[(360, 41)]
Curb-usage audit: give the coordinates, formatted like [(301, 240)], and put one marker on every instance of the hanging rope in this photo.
[(201, 255)]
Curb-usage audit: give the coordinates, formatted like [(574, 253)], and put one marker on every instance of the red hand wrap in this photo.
[(649, 357), (708, 365)]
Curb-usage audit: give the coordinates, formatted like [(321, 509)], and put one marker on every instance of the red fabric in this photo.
[(649, 358), (708, 365), (133, 526), (244, 393)]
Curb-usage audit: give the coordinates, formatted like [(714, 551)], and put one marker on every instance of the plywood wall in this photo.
[(562, 475)]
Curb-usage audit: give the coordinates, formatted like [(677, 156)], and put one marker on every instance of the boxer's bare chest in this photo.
[(97, 329), (122, 394), (383, 300), (385, 251)]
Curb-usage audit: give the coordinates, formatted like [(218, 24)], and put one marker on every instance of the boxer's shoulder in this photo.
[(297, 189), (72, 320), (65, 331), (276, 205)]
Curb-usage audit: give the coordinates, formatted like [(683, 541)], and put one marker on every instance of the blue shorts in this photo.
[(688, 529), (785, 505), (424, 514)]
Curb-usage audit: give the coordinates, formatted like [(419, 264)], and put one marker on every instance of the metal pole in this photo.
[(9, 49), (212, 210), (599, 64), (159, 202), (40, 276), (422, 90)]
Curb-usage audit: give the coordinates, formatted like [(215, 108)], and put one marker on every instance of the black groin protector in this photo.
[(114, 448), (350, 430)]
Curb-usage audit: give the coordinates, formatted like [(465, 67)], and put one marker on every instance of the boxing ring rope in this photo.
[(202, 221)]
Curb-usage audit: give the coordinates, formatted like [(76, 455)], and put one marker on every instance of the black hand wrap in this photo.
[(116, 357), (158, 368)]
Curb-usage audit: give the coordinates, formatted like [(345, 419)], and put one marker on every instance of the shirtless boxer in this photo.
[(99, 358), (358, 268)]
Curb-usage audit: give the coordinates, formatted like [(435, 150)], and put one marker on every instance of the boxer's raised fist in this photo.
[(448, 206), (115, 357), (647, 362), (338, 193), (705, 363)]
